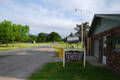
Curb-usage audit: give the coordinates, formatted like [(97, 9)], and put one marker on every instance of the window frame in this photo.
[(113, 39)]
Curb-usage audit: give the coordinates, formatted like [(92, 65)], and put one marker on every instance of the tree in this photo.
[(5, 31), (25, 33), (42, 37), (10, 32), (54, 36), (14, 33), (64, 39), (32, 38), (71, 34), (48, 38), (78, 29), (22, 32), (19, 33), (2, 32)]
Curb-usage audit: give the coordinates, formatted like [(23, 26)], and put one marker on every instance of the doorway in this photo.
[(96, 48), (104, 50)]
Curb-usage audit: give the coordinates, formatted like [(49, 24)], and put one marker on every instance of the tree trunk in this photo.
[(38, 43), (7, 43), (13, 43), (19, 43)]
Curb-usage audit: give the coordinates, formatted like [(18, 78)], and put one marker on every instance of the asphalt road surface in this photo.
[(20, 64)]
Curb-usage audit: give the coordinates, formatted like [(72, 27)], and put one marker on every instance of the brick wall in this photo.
[(112, 58)]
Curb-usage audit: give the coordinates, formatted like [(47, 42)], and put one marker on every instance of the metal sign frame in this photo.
[(84, 56)]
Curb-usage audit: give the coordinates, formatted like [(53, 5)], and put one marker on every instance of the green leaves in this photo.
[(5, 30), (54, 36), (44, 37), (78, 29), (10, 32), (71, 34), (32, 38), (23, 31)]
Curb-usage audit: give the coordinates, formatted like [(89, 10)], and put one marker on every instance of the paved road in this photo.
[(20, 64)]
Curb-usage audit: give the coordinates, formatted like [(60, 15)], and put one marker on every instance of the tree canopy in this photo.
[(78, 29), (54, 36), (44, 37), (10, 32), (32, 38)]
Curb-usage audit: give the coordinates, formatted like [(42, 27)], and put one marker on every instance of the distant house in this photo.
[(105, 39)]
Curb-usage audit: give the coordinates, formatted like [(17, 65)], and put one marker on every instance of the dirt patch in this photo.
[(23, 53), (44, 49), (5, 78)]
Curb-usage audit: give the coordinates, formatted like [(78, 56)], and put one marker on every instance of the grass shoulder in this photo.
[(22, 45), (73, 71)]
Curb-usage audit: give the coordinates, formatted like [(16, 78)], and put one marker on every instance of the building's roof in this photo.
[(109, 16), (97, 16)]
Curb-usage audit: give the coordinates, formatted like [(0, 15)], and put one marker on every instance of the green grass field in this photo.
[(22, 45), (62, 44), (73, 71)]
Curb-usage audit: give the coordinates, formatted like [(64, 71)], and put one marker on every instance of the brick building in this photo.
[(105, 39)]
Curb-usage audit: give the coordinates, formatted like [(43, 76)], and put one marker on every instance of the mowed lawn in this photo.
[(62, 44), (22, 45), (73, 71)]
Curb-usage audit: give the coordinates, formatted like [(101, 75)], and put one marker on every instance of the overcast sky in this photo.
[(54, 15)]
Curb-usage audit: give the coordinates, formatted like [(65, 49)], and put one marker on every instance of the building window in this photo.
[(116, 42)]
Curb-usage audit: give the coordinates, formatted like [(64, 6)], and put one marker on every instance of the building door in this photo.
[(104, 50), (96, 48)]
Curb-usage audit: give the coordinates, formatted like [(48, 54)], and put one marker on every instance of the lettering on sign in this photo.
[(74, 55)]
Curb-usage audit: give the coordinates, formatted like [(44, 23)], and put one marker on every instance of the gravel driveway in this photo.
[(20, 64)]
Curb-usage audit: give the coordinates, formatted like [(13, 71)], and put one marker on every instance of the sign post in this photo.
[(84, 56), (63, 57)]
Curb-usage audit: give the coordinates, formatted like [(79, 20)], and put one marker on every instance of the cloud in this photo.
[(54, 15)]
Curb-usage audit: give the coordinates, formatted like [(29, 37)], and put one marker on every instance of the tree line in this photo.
[(10, 32), (53, 36), (44, 37)]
